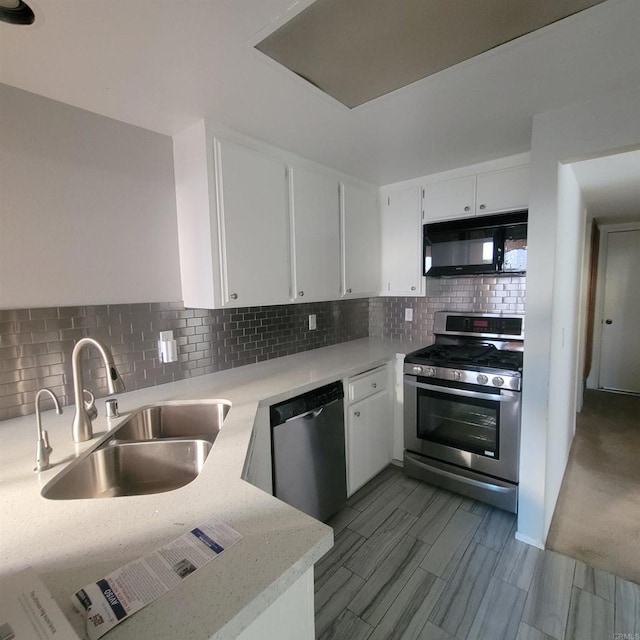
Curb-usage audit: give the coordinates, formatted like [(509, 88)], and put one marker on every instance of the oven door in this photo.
[(458, 423)]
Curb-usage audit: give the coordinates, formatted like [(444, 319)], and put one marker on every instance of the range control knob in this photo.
[(457, 375), (482, 379), (431, 372), (417, 369), (498, 381)]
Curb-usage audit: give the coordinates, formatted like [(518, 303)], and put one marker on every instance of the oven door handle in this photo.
[(460, 392)]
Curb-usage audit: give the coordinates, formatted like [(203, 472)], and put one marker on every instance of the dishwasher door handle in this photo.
[(314, 413)]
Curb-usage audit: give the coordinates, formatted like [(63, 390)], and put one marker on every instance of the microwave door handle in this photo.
[(461, 392)]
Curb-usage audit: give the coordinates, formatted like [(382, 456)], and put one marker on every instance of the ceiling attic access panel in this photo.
[(358, 50)]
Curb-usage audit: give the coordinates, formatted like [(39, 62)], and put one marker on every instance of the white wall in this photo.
[(87, 208), (574, 133)]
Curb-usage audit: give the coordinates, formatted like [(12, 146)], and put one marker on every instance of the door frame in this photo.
[(593, 380)]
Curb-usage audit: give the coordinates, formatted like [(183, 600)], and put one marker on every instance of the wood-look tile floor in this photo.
[(412, 561)]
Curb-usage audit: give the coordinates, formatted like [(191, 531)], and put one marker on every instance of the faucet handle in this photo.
[(47, 444), (90, 405)]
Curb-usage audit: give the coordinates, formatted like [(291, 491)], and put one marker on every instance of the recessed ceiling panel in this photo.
[(358, 50)]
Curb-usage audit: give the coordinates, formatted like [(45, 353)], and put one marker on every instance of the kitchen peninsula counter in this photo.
[(71, 543)]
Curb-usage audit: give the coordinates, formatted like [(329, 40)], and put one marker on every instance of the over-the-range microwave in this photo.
[(483, 244)]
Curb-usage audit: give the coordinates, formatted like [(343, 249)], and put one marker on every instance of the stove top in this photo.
[(473, 348), (487, 356)]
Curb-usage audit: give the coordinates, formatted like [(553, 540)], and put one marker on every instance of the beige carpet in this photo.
[(597, 517)]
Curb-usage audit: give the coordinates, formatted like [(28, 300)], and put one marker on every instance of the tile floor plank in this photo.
[(525, 632), (375, 549), (410, 611), (495, 529), (347, 625), (332, 598), (449, 547), (517, 563), (419, 499), (475, 507), (363, 497), (345, 545), (380, 509), (589, 616), (341, 519), (498, 617), (435, 517), (547, 605), (386, 582), (627, 618), (461, 599), (599, 583)]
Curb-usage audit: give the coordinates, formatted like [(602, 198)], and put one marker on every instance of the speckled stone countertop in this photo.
[(71, 543)]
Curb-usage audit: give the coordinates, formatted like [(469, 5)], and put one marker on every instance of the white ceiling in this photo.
[(162, 64), (610, 186)]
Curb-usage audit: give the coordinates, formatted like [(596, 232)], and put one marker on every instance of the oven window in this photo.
[(468, 424)]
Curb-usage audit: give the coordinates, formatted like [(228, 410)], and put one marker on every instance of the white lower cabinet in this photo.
[(369, 427)]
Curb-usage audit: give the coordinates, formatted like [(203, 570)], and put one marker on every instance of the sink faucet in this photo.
[(42, 448), (81, 429)]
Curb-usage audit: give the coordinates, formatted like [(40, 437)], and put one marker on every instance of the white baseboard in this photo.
[(532, 541)]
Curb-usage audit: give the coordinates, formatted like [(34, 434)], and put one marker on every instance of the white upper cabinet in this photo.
[(476, 195), (499, 191), (450, 199), (233, 222), (253, 220), (402, 243), (315, 224), (360, 218)]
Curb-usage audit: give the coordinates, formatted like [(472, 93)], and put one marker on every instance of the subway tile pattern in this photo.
[(36, 344), (491, 294)]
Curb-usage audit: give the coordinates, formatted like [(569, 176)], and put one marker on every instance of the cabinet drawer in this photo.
[(368, 383)]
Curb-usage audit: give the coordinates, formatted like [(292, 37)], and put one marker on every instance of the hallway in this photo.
[(597, 517)]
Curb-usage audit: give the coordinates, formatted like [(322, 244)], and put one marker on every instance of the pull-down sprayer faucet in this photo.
[(81, 429)]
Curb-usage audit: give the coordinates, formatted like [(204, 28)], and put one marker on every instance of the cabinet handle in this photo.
[(234, 296), (301, 293), (374, 385), (483, 206), (356, 414), (413, 288), (467, 208), (349, 290)]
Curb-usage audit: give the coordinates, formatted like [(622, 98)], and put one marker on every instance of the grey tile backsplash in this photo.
[(492, 294), (36, 344)]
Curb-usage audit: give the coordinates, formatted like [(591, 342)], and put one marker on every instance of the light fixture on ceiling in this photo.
[(16, 12)]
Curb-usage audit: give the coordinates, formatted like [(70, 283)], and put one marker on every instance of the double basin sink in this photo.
[(156, 449)]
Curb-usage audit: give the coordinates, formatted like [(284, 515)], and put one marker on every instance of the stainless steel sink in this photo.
[(195, 420), (131, 469), (158, 448)]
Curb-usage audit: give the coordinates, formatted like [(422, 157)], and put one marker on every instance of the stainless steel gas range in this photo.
[(462, 407)]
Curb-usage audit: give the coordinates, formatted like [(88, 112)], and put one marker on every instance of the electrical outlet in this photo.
[(408, 315), (312, 322)]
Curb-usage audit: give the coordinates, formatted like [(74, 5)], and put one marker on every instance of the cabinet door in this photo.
[(360, 242), (506, 190), (402, 243), (254, 226), (315, 221), (449, 199), (369, 431)]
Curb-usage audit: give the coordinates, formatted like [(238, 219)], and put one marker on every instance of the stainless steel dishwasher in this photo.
[(308, 451)]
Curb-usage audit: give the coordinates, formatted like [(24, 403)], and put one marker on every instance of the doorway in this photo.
[(616, 348)]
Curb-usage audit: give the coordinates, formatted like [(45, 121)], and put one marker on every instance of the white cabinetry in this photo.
[(402, 243), (369, 426), (315, 224), (233, 222), (254, 227), (450, 199), (506, 190), (481, 194), (360, 219)]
